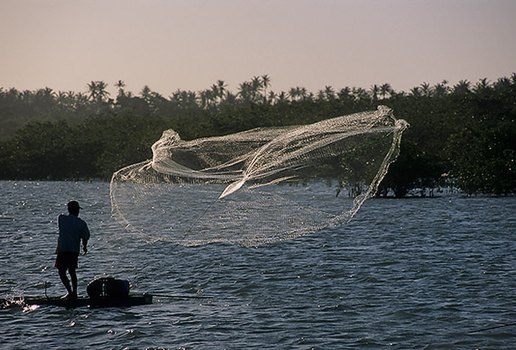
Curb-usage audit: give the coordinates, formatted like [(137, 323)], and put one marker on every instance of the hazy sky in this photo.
[(190, 44)]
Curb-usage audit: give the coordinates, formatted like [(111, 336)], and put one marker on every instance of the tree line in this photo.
[(461, 136)]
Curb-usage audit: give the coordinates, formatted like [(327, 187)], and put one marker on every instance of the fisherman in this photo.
[(71, 231)]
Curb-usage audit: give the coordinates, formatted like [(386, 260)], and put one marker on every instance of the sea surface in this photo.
[(431, 273)]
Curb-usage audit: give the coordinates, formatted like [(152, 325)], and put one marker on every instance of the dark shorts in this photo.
[(66, 261)]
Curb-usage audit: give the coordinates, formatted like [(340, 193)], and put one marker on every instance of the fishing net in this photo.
[(258, 186)]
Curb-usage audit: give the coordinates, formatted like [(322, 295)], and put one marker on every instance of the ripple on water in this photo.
[(404, 273)]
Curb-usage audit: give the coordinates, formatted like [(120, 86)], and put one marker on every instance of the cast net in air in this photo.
[(258, 186)]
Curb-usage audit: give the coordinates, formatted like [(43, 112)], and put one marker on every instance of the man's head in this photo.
[(73, 208)]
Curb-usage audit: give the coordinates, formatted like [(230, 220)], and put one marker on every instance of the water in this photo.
[(404, 274)]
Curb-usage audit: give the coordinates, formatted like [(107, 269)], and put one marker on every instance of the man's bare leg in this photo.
[(73, 276), (66, 281)]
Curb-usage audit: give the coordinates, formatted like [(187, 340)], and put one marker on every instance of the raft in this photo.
[(98, 302)]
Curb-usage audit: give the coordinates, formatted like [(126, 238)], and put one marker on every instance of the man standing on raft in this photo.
[(71, 231)]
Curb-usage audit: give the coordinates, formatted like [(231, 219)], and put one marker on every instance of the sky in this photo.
[(190, 44)]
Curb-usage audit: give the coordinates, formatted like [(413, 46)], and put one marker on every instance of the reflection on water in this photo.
[(419, 273)]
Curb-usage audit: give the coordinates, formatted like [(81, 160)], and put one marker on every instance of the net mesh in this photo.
[(258, 186)]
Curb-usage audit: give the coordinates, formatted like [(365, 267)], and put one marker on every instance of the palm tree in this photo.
[(66, 100), (120, 85), (218, 91), (303, 93), (503, 86), (272, 97), (282, 97), (293, 93), (81, 100), (329, 93), (298, 93), (359, 94), (245, 91), (513, 78), (462, 87), (374, 92), (256, 83), (426, 90), (97, 90), (47, 92), (482, 86), (256, 89), (230, 98), (344, 94), (221, 88), (320, 95), (146, 93), (441, 89), (184, 99), (266, 82), (208, 97), (44, 100), (415, 91), (385, 90)]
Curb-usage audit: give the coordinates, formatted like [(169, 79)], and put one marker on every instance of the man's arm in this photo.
[(85, 238)]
